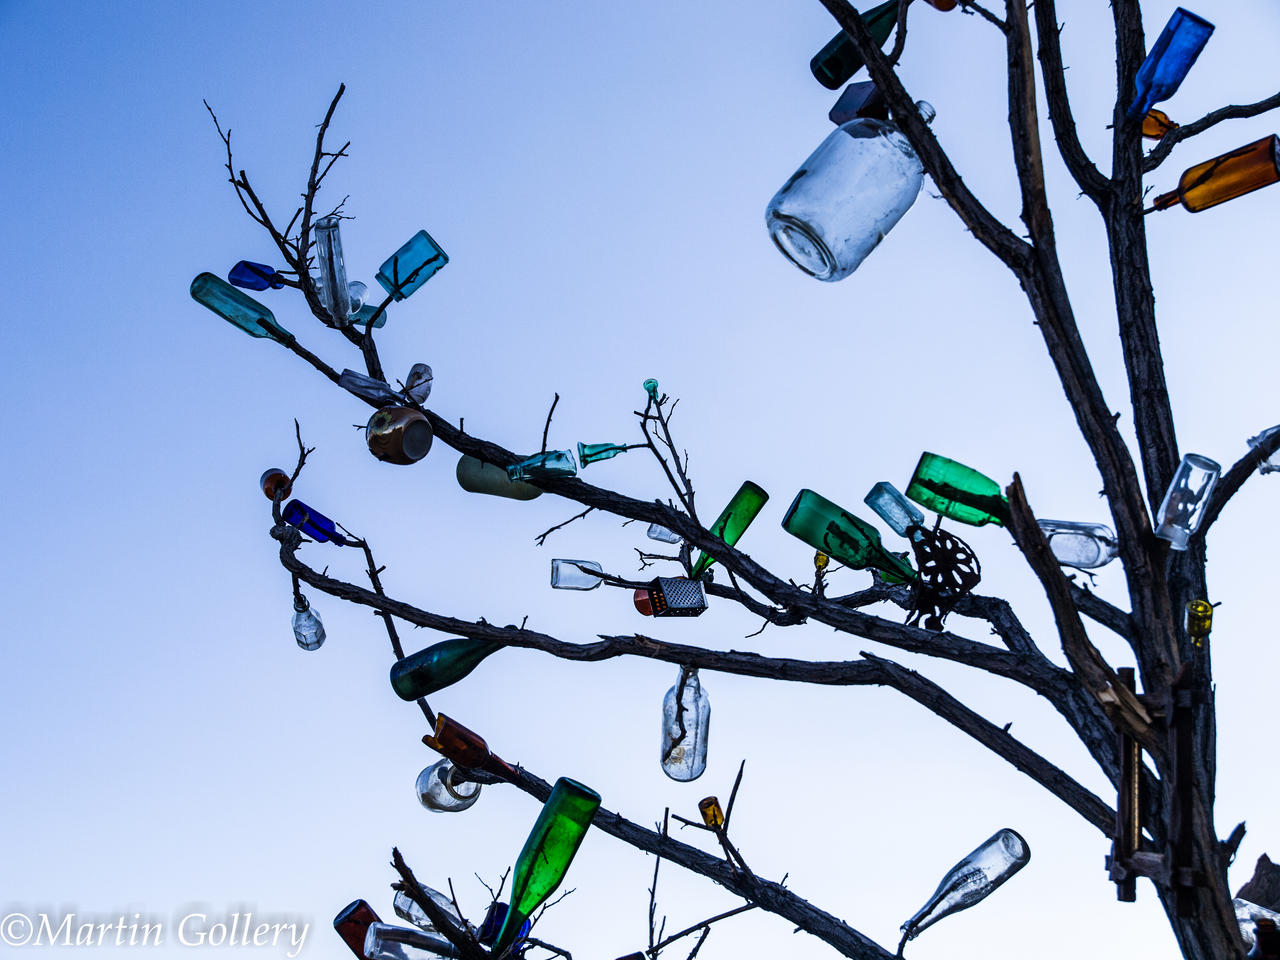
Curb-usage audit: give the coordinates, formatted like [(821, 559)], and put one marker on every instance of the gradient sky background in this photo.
[(598, 175)]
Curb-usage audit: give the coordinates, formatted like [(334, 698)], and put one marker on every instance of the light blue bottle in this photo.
[(411, 266)]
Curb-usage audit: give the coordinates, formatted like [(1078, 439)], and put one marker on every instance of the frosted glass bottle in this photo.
[(437, 791), (332, 283), (1182, 509), (972, 879), (307, 628), (476, 476), (367, 388), (893, 508), (1077, 544), (683, 752), (846, 197), (657, 531)]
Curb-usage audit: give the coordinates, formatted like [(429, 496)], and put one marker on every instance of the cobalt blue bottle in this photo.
[(312, 522), (1169, 60), (255, 276)]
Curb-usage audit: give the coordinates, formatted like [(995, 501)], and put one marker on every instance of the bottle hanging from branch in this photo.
[(686, 722), (476, 476), (1156, 124), (1078, 544), (1182, 509), (411, 266), (398, 435), (545, 859), (438, 666), (439, 790), (1231, 175), (733, 521), (712, 815), (332, 285), (255, 276), (307, 628), (406, 907), (956, 491), (237, 308), (313, 523), (1169, 60), (833, 530), (385, 941), (552, 465), (573, 575), (367, 388), (466, 748), (352, 923), (275, 483), (894, 509), (835, 63), (971, 880)]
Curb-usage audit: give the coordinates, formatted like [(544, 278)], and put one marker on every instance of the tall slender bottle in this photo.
[(839, 534), (438, 666), (733, 521), (972, 879), (332, 285), (545, 859), (237, 308), (835, 63), (686, 723), (1169, 60), (956, 491), (1225, 177)]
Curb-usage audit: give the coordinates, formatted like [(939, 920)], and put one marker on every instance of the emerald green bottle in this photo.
[(838, 60), (545, 859), (839, 534), (733, 520), (438, 666), (957, 491)]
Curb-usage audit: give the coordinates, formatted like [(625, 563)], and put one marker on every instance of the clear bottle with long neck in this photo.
[(686, 723), (972, 879), (332, 285)]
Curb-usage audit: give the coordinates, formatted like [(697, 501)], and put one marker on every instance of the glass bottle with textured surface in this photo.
[(552, 465), (827, 527), (686, 721), (312, 522), (476, 476), (418, 384), (893, 508), (972, 879), (1078, 544), (386, 941), (307, 628), (733, 521), (398, 434), (657, 531), (352, 922), (1169, 60), (1269, 465), (275, 483), (406, 907), (591, 452), (1231, 175), (411, 266), (545, 859), (438, 666), (846, 197), (332, 284), (1182, 509), (255, 276), (571, 575), (438, 790), (956, 491), (835, 63), (238, 308)]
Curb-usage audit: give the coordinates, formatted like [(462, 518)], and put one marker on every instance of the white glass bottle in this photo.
[(307, 628), (972, 879), (1182, 509), (332, 283), (686, 720), (438, 790), (1076, 544)]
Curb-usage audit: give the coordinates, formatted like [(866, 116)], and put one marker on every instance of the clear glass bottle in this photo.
[(686, 722), (893, 508), (972, 879), (307, 628), (406, 907), (398, 434), (476, 476), (1169, 60), (956, 491), (571, 575), (411, 266), (332, 283), (385, 941), (552, 465), (589, 453), (367, 388), (846, 197), (438, 666), (357, 294), (352, 923), (833, 530), (237, 308), (417, 386), (312, 522), (1078, 544), (1272, 463), (255, 276), (657, 531), (438, 790), (733, 521), (275, 483), (1225, 177), (1182, 509), (835, 63)]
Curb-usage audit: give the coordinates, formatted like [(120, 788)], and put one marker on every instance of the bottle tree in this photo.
[(1147, 719)]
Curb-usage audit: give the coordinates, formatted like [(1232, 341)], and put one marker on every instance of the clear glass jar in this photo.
[(686, 722), (573, 575), (438, 791), (1182, 509), (1077, 544), (307, 628)]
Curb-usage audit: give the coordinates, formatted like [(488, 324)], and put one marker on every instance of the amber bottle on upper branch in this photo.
[(1231, 175)]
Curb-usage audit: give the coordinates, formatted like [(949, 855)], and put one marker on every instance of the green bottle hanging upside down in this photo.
[(733, 521), (827, 527), (958, 492)]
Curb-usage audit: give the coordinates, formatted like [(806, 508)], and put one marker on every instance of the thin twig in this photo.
[(541, 538), (698, 926), (1175, 136), (547, 427)]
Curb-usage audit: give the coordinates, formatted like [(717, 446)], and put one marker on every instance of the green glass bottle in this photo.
[(956, 491), (835, 63), (839, 534), (438, 666), (545, 859), (733, 520), (237, 307), (591, 452)]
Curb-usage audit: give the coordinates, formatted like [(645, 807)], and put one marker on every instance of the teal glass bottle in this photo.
[(552, 465), (956, 491), (545, 859), (476, 476), (733, 521), (842, 536), (651, 388), (360, 319), (438, 666), (411, 266), (591, 452), (236, 307), (835, 63)]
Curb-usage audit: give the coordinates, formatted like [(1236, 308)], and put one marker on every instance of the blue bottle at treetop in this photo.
[(313, 523), (255, 276), (1169, 60)]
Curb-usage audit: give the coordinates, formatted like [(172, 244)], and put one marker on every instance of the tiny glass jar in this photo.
[(1182, 509)]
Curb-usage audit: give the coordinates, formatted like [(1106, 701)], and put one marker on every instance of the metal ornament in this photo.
[(949, 570)]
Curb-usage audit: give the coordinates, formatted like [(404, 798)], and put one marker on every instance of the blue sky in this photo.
[(598, 176)]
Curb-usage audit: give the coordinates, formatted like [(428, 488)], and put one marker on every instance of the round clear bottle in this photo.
[(438, 790)]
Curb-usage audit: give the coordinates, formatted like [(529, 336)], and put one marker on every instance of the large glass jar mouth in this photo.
[(798, 242)]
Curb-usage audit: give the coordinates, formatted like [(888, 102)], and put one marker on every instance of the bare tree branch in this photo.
[(1232, 112)]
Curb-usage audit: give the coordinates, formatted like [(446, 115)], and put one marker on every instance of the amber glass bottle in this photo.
[(1224, 178)]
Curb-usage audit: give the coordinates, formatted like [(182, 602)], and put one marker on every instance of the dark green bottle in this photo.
[(733, 520), (956, 491), (835, 63), (839, 534), (545, 859), (438, 666)]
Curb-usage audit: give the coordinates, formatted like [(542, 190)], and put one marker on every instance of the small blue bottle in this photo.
[(1169, 60), (411, 266), (312, 522), (255, 276)]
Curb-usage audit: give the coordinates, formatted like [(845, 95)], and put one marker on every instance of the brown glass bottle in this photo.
[(1156, 124), (1224, 178), (466, 748)]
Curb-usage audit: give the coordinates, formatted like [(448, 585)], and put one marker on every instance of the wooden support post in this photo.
[(1181, 749), (1128, 833)]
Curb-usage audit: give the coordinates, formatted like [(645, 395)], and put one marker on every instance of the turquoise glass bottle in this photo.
[(956, 491), (238, 308), (411, 266), (360, 319), (545, 859), (835, 63), (591, 452), (438, 666), (552, 465), (651, 388), (733, 521), (839, 534)]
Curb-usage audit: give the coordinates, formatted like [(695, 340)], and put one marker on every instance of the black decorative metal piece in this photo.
[(677, 597), (949, 570)]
